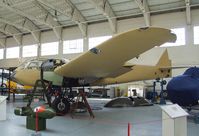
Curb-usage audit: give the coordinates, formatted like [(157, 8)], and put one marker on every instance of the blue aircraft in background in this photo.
[(184, 89)]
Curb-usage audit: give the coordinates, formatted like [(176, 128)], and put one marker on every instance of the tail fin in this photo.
[(164, 63), (164, 60)]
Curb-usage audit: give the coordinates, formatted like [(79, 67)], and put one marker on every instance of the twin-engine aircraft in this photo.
[(105, 64)]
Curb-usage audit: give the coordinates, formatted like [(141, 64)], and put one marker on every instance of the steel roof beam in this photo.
[(3, 35), (25, 25), (105, 8), (76, 16), (143, 5), (70, 11), (10, 30), (188, 12), (48, 21), (3, 42)]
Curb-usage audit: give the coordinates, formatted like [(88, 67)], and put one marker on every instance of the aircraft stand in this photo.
[(6, 88), (84, 100), (162, 99), (2, 84), (154, 99), (162, 93), (38, 83)]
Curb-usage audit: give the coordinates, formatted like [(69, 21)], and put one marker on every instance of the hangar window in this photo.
[(12, 52), (73, 46), (180, 33), (97, 40), (196, 34), (49, 48), (29, 51), (1, 53)]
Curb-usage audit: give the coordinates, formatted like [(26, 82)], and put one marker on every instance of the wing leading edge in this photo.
[(108, 59)]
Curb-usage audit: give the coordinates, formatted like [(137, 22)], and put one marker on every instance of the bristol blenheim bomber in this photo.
[(101, 65)]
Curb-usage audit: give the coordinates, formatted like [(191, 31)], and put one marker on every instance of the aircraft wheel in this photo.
[(61, 106)]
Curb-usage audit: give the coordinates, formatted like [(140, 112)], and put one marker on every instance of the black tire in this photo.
[(61, 106)]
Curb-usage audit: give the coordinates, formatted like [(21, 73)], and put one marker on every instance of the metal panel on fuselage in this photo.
[(54, 78)]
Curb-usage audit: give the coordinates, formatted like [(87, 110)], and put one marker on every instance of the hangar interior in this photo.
[(68, 28)]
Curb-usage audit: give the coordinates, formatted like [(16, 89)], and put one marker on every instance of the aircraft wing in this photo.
[(108, 59), (141, 72)]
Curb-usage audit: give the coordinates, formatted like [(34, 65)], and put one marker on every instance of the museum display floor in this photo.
[(145, 121)]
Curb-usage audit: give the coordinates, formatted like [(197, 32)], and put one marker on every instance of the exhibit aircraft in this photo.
[(101, 65)]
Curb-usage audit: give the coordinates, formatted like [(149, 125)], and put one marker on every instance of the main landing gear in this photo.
[(62, 99)]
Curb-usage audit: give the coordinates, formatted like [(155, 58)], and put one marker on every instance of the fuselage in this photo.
[(28, 72)]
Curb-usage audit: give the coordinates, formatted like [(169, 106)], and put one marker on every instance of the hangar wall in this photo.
[(189, 52)]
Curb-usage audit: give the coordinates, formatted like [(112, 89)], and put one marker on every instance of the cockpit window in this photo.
[(30, 64), (33, 65), (21, 67), (47, 65), (51, 64)]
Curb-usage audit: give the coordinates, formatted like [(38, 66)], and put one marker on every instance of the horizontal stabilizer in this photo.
[(141, 72)]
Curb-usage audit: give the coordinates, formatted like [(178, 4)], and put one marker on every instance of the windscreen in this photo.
[(51, 64)]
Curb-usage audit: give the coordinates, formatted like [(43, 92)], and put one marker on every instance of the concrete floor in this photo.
[(145, 121)]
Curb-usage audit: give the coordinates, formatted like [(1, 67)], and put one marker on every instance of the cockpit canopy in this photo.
[(46, 64), (51, 64)]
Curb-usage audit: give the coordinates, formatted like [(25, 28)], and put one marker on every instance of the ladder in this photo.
[(84, 100)]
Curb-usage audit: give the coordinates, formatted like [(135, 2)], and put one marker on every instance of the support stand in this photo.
[(154, 93), (162, 99), (2, 79), (38, 83), (9, 85), (84, 100)]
